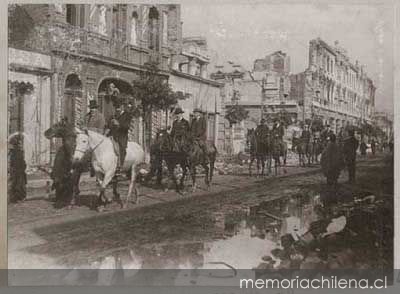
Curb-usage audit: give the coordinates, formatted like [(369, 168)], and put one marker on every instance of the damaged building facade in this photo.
[(94, 48), (333, 88)]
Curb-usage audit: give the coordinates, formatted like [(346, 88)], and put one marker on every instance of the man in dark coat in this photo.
[(373, 146), (94, 120), (332, 164), (350, 146), (17, 168), (262, 134), (118, 128), (198, 129), (180, 130)]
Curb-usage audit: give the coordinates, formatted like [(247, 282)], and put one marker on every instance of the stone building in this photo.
[(263, 92), (92, 46), (385, 122), (333, 88)]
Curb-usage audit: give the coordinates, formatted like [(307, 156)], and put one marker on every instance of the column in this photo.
[(192, 67), (203, 70)]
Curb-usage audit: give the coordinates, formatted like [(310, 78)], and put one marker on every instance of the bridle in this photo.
[(92, 149)]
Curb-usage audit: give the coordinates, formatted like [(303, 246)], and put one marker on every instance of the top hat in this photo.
[(197, 110), (93, 104), (178, 111)]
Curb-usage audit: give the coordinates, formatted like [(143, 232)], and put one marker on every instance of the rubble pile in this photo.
[(356, 234)]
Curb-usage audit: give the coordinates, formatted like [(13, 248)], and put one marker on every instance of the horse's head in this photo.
[(81, 146)]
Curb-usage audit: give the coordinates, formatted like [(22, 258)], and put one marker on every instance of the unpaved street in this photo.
[(171, 231)]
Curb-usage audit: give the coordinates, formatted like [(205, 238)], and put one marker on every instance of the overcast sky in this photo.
[(244, 32)]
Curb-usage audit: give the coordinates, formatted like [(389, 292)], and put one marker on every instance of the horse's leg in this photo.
[(262, 158), (76, 176), (171, 169), (132, 187), (107, 179), (251, 164), (206, 178), (212, 163), (184, 172), (193, 174)]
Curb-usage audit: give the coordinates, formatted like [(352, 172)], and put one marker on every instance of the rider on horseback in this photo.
[(118, 128), (198, 130), (180, 129), (262, 132)]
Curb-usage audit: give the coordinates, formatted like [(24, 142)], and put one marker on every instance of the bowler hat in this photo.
[(93, 104), (197, 110), (178, 111)]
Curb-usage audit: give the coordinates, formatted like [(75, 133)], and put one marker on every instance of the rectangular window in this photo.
[(165, 28)]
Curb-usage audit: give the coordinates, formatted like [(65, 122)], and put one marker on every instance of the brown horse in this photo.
[(259, 152), (189, 157)]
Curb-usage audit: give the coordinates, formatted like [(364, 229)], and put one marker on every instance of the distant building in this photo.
[(333, 88), (385, 122)]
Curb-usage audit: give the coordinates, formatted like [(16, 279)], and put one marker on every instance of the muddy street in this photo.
[(253, 216)]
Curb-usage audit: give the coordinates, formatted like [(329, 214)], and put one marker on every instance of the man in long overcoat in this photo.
[(17, 167), (198, 130), (332, 164), (180, 130), (350, 146), (262, 134), (118, 127)]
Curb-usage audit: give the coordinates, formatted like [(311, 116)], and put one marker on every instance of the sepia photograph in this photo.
[(226, 138)]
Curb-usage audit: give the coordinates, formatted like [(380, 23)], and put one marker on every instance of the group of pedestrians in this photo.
[(337, 156)]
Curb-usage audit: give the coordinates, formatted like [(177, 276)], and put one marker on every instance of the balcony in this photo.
[(75, 40)]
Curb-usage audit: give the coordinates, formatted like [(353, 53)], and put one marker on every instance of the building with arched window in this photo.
[(94, 47)]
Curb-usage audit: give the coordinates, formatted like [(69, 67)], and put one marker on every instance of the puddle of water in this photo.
[(243, 238)]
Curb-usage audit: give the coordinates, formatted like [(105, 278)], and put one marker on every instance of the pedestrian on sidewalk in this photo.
[(350, 147), (17, 168), (332, 164)]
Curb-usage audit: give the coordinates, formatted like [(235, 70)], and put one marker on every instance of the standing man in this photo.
[(17, 170), (180, 129), (350, 146), (373, 146), (198, 130), (332, 164), (118, 128)]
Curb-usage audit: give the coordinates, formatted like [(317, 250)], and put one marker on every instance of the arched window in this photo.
[(133, 27), (153, 28)]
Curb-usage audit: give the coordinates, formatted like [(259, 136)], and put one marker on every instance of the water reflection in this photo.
[(243, 239)]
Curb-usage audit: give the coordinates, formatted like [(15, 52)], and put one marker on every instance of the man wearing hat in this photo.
[(198, 129), (278, 129), (262, 132), (118, 127), (350, 146), (306, 134), (94, 120), (180, 129)]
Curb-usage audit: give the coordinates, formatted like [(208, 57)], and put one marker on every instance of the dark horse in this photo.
[(259, 151), (304, 149), (63, 178), (188, 158), (278, 149)]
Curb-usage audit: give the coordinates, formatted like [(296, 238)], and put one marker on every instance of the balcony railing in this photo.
[(71, 39)]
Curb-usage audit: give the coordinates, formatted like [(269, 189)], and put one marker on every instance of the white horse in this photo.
[(104, 161)]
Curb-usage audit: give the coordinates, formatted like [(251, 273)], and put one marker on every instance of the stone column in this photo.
[(192, 67), (203, 71)]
